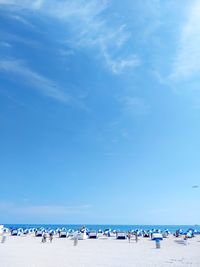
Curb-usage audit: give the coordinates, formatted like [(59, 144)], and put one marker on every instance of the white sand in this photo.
[(30, 252)]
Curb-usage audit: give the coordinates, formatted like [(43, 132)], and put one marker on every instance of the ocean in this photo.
[(171, 228)]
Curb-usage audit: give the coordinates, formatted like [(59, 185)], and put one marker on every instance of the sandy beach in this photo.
[(28, 251)]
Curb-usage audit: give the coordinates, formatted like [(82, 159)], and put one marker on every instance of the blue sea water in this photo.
[(171, 228)]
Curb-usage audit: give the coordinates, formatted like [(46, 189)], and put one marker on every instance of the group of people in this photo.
[(129, 237), (44, 237)]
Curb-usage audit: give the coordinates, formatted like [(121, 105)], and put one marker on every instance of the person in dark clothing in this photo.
[(44, 238), (51, 237)]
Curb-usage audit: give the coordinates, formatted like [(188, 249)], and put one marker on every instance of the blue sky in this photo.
[(99, 111)]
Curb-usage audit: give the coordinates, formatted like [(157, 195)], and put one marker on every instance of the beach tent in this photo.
[(63, 233), (121, 235), (157, 236), (14, 232), (1, 228), (107, 232), (92, 234), (26, 231), (79, 235), (39, 232)]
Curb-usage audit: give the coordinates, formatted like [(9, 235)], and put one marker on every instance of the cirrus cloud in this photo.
[(89, 25)]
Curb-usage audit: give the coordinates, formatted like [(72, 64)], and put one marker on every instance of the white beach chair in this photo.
[(92, 235), (157, 236), (14, 232), (63, 234), (121, 235), (38, 233)]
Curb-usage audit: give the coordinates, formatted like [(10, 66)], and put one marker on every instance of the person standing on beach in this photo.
[(3, 239), (185, 240), (136, 237), (129, 237), (75, 240), (44, 238), (50, 237)]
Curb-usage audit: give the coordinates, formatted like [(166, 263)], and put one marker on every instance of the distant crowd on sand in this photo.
[(83, 233), (44, 238)]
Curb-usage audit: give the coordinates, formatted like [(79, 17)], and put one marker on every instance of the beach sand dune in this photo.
[(30, 252)]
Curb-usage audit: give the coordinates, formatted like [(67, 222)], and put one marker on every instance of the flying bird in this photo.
[(195, 186)]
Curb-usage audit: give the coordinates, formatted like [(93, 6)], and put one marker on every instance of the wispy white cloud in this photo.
[(134, 105), (33, 4), (159, 77), (6, 2), (37, 4), (21, 20), (5, 44), (33, 79), (66, 53), (95, 31), (187, 60), (6, 93), (51, 209), (90, 27), (11, 39), (43, 210), (117, 65)]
